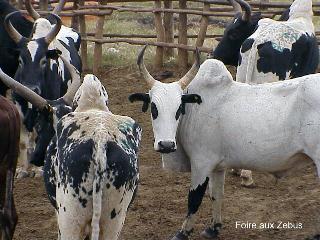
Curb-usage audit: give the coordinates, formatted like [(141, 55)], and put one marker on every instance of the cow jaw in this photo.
[(165, 102)]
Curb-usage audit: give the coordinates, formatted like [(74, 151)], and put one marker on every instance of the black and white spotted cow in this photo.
[(41, 71), (280, 50), (91, 167)]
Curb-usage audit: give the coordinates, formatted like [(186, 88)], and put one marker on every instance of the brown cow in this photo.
[(9, 149)]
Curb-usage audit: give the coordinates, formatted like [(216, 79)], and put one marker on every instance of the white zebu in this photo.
[(279, 50), (271, 127)]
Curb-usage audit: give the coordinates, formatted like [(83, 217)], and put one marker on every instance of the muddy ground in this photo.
[(161, 203)]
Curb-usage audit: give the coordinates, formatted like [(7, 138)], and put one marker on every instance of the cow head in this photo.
[(242, 26), (50, 111), (167, 102), (34, 55)]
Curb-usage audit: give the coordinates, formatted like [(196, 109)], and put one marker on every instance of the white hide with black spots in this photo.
[(282, 35), (91, 169)]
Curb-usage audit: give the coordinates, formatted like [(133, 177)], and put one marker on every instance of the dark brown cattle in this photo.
[(9, 150)]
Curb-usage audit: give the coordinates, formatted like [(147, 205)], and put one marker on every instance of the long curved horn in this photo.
[(58, 8), (23, 91), (55, 30), (236, 6), (186, 79), (247, 8), (32, 12), (75, 84), (143, 70), (13, 33)]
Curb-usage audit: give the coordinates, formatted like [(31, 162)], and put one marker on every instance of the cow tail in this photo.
[(100, 162)]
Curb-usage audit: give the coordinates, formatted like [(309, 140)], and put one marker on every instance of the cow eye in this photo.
[(178, 113), (154, 111), (20, 62), (43, 62)]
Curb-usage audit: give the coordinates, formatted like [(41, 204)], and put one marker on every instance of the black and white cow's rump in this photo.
[(287, 49), (280, 50), (91, 167), (8, 48)]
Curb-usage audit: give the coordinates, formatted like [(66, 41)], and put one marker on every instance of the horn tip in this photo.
[(141, 54)]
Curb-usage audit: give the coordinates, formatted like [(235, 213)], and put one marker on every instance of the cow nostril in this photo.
[(167, 145)]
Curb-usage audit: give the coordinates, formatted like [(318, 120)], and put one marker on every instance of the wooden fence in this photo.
[(163, 18)]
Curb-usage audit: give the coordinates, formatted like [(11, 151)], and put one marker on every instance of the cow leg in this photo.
[(9, 207), (23, 156), (196, 193), (216, 189), (246, 178), (69, 229), (2, 200)]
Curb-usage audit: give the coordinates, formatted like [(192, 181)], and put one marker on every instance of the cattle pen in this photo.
[(113, 32), (165, 13)]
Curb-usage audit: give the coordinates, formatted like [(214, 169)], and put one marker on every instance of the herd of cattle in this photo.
[(90, 156)]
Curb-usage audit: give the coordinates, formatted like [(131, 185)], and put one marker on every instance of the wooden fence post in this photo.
[(183, 39), (75, 18), (264, 7), (203, 27), (83, 32), (160, 35), (43, 5), (168, 28), (97, 54)]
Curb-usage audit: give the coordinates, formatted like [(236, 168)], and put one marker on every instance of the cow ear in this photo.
[(53, 54), (144, 97), (191, 98)]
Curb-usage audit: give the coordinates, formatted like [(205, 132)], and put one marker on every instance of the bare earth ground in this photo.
[(161, 204)]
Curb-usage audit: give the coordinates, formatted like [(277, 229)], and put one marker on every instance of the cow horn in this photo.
[(236, 6), (13, 33), (247, 8), (58, 8), (23, 91), (55, 30), (75, 84), (186, 79), (143, 70), (32, 12)]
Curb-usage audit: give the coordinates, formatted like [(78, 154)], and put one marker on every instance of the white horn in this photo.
[(143, 70)]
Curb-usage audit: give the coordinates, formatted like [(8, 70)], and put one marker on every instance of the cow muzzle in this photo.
[(166, 146)]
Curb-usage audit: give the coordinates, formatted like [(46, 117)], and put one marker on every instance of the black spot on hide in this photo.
[(302, 59), (113, 214), (154, 111)]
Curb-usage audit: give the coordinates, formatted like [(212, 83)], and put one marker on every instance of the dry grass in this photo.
[(123, 54)]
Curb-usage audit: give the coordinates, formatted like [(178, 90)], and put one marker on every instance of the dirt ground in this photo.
[(161, 203)]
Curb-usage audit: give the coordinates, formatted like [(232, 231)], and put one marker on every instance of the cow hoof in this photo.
[(37, 172), (246, 178), (210, 233), (236, 172), (180, 236), (22, 174)]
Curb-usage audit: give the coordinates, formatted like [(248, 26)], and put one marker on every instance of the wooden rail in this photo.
[(163, 15)]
